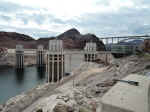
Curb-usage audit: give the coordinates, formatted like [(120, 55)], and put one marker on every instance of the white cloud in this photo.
[(56, 16), (60, 8), (68, 9), (117, 4)]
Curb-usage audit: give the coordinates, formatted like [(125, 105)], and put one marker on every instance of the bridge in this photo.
[(115, 46), (117, 39)]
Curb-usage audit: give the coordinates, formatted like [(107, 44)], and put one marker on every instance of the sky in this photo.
[(46, 18)]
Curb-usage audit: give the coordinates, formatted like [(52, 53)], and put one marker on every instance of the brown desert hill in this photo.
[(72, 39), (44, 41), (15, 36), (10, 39)]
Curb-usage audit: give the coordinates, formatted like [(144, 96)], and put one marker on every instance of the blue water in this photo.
[(13, 83)]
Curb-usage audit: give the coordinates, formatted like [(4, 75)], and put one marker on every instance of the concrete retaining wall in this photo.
[(124, 97)]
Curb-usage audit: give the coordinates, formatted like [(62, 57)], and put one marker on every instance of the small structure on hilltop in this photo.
[(55, 61), (19, 57), (90, 52), (40, 56)]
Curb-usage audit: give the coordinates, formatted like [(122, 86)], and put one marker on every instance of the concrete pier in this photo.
[(40, 57), (55, 68), (90, 52), (19, 57)]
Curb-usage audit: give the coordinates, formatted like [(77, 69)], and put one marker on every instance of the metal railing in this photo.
[(123, 49)]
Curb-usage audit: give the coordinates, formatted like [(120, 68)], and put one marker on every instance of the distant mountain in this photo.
[(131, 42), (10, 39), (72, 39), (72, 34), (14, 36)]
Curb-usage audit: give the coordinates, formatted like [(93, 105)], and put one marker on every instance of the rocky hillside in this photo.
[(14, 36), (10, 39), (72, 39)]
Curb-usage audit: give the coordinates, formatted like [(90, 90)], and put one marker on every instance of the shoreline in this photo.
[(26, 98), (17, 80)]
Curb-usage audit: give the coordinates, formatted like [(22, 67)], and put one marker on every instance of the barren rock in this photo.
[(1, 108), (60, 107)]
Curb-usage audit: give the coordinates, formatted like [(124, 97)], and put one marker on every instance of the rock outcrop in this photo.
[(3, 52), (147, 45), (60, 107)]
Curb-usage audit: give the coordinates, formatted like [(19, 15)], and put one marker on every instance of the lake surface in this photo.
[(13, 83)]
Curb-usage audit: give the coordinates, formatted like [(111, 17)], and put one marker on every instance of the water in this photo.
[(13, 83)]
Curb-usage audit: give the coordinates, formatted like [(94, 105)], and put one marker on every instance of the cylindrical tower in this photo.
[(19, 57), (55, 68), (90, 52), (40, 56)]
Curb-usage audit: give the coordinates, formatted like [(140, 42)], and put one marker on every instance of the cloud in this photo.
[(101, 17), (36, 33), (10, 7), (7, 7), (124, 23), (5, 18)]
